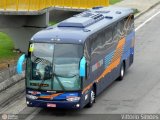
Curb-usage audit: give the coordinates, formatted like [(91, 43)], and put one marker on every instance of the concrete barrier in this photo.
[(7, 73), (9, 77)]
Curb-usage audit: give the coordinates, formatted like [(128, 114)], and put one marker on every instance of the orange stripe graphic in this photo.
[(114, 63)]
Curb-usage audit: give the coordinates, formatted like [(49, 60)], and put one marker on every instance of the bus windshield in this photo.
[(55, 67)]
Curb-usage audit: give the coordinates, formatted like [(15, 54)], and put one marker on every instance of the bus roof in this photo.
[(77, 28)]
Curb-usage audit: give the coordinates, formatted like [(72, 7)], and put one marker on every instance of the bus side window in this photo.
[(87, 55), (130, 24), (101, 41), (108, 40), (101, 38), (108, 35), (95, 43), (116, 36), (87, 51), (120, 29)]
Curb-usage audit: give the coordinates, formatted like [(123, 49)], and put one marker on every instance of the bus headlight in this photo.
[(72, 98), (32, 97)]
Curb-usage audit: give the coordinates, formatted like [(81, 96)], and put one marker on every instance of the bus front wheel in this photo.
[(91, 98)]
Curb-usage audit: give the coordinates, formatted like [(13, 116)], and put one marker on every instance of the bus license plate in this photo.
[(51, 105)]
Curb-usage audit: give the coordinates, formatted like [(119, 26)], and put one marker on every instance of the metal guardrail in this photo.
[(35, 5)]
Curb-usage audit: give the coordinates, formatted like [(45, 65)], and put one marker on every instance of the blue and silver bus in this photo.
[(69, 64)]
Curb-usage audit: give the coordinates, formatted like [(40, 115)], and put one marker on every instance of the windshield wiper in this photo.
[(63, 76), (60, 83), (66, 75)]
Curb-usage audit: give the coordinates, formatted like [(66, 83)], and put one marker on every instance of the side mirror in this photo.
[(20, 63), (83, 67)]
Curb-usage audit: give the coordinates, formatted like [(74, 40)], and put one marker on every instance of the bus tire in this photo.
[(122, 72), (92, 96)]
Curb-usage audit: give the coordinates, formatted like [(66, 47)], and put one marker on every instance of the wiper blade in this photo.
[(66, 75), (63, 76), (60, 83)]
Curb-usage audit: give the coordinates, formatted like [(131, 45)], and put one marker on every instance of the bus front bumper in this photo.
[(53, 104)]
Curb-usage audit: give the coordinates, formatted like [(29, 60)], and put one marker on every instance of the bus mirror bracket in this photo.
[(83, 67), (20, 63)]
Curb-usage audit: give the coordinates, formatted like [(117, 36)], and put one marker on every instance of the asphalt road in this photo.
[(138, 93)]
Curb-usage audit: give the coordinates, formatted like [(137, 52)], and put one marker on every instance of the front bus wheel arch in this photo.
[(92, 96)]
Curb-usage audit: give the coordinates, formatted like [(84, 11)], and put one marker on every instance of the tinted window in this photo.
[(108, 36), (116, 33), (102, 41), (130, 24), (123, 27), (120, 29)]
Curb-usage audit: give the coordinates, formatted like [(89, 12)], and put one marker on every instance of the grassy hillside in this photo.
[(7, 56)]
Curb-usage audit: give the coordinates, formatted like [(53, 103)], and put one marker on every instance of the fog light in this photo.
[(27, 102), (78, 105)]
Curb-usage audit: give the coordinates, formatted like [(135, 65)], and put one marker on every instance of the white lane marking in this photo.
[(31, 116), (149, 19)]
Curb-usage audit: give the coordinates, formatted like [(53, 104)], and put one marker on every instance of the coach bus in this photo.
[(69, 64)]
